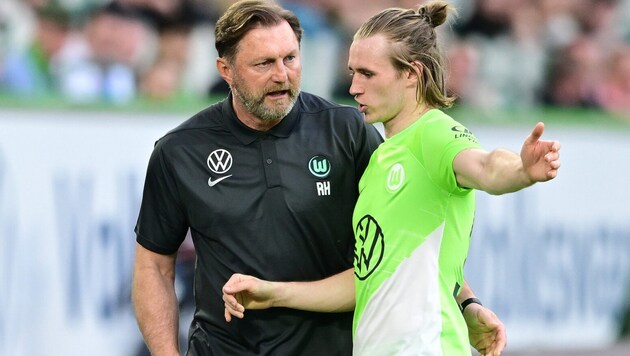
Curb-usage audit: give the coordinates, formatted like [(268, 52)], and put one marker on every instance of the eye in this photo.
[(263, 63), (366, 74), (290, 60)]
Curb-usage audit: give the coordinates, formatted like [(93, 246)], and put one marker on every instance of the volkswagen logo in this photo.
[(219, 161)]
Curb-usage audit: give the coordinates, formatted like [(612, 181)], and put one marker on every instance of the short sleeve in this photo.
[(442, 140), (161, 225)]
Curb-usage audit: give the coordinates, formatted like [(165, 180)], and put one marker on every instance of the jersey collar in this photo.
[(248, 135)]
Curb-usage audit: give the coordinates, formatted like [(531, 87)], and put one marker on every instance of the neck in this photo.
[(404, 120)]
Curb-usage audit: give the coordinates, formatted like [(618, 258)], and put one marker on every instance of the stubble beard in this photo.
[(255, 103)]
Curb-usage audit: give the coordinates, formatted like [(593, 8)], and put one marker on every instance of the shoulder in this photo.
[(439, 129), (438, 118), (313, 104), (206, 120), (436, 122), (344, 122), (316, 111)]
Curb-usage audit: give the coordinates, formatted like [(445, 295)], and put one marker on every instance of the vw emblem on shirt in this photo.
[(396, 177), (319, 166), (370, 247), (219, 161)]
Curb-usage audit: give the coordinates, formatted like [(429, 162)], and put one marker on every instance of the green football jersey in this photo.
[(412, 232)]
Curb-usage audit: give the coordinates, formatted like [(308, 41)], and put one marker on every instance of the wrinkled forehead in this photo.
[(264, 41)]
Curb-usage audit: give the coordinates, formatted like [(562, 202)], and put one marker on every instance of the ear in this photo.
[(225, 70), (414, 72)]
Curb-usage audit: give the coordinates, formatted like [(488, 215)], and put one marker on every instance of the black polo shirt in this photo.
[(277, 205)]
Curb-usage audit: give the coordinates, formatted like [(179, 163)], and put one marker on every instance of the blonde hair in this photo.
[(411, 33)]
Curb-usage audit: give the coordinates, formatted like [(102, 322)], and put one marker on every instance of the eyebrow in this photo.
[(273, 58), (362, 70)]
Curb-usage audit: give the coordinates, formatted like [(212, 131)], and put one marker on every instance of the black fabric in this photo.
[(268, 216)]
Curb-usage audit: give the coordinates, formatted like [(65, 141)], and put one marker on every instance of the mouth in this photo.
[(362, 108), (278, 94)]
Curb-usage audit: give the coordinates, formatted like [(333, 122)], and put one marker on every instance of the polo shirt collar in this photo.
[(248, 135)]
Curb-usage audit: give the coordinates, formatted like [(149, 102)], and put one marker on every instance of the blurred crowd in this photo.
[(501, 53)]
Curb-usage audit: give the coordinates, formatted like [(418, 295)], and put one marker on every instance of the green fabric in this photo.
[(408, 193)]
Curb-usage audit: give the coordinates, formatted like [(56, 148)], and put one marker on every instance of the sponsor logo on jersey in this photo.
[(395, 177), (462, 132), (219, 161), (369, 247), (212, 183)]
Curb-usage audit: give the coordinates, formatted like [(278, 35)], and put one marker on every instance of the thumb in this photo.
[(536, 133), (233, 285)]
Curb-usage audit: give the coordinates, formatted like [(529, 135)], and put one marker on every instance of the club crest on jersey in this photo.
[(319, 166), (395, 177), (369, 248), (219, 161)]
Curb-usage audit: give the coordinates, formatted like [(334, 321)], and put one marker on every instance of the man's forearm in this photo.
[(333, 294), (507, 173), (156, 308)]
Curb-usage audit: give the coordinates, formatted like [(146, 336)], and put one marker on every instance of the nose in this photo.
[(279, 74), (355, 89)]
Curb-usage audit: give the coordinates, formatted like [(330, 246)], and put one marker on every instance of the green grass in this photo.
[(187, 105)]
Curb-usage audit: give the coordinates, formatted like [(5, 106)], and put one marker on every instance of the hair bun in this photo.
[(434, 13)]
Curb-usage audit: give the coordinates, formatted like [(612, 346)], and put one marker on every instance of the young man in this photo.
[(266, 181), (416, 205)]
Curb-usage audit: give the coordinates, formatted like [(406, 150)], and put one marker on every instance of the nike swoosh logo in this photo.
[(212, 183)]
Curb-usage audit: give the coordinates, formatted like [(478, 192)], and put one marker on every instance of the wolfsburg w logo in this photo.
[(319, 166), (369, 247), (396, 177)]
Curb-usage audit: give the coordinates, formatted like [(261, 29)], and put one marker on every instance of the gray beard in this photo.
[(256, 106)]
